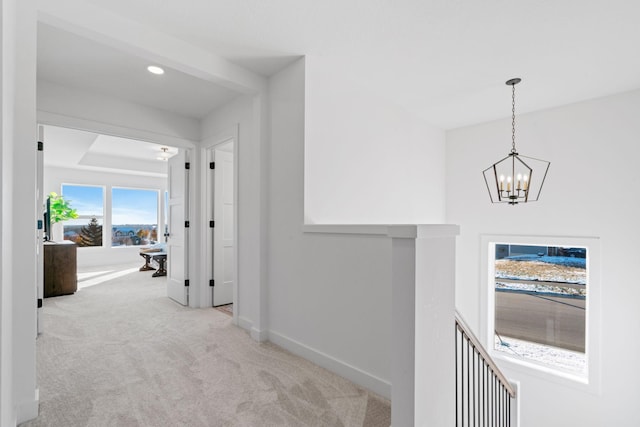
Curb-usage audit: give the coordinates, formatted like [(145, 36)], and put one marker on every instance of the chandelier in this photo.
[(511, 180)]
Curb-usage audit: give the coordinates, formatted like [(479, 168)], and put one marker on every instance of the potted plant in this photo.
[(60, 210)]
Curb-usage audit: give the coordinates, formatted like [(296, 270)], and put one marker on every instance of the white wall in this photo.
[(7, 43), (106, 255), (329, 295), (366, 160), (7, 40), (590, 191), (240, 115), (18, 394)]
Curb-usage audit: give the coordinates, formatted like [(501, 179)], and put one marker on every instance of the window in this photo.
[(88, 201), (134, 217), (541, 304)]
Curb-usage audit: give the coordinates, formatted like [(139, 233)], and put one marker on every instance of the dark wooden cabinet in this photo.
[(60, 264)]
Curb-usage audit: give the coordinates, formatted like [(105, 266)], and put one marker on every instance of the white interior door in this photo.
[(178, 236), (40, 209), (223, 232)]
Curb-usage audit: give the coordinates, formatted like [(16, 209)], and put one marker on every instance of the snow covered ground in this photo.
[(555, 357), (542, 288), (543, 269)]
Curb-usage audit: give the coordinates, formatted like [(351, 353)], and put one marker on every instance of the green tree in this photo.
[(91, 235)]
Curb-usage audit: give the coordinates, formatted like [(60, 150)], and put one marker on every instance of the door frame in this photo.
[(72, 122), (40, 201), (208, 145)]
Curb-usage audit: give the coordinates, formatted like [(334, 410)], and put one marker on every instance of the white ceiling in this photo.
[(71, 148), (445, 60), (71, 60)]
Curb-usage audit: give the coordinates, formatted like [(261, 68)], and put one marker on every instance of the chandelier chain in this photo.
[(513, 118)]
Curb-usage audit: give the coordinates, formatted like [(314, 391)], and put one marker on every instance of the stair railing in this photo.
[(484, 396)]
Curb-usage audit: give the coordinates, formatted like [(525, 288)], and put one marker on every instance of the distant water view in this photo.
[(134, 234), (121, 234), (133, 214)]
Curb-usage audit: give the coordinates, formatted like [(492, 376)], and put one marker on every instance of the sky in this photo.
[(129, 206)]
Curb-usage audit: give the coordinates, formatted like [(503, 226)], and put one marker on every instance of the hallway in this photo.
[(120, 353)]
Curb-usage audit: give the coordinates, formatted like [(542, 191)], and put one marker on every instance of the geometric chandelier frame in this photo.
[(511, 179)]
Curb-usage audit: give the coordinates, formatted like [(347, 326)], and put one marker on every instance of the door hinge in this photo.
[(212, 224), (212, 165), (212, 283), (39, 302), (40, 146), (187, 165), (40, 224), (186, 224), (186, 282)]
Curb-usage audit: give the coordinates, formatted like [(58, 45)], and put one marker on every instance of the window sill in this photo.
[(514, 368)]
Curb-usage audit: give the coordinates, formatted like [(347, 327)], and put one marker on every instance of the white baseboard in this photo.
[(257, 334), (358, 376), (26, 411), (245, 323)]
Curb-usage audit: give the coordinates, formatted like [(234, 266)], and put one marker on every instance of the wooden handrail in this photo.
[(464, 328)]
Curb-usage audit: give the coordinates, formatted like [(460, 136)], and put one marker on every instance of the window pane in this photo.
[(85, 232), (134, 217), (540, 304), (88, 201)]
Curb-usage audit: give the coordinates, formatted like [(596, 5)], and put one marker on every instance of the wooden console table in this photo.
[(60, 265)]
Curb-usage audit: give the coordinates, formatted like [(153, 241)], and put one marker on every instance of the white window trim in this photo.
[(592, 382)]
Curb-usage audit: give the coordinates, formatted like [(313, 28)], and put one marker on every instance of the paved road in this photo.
[(551, 320)]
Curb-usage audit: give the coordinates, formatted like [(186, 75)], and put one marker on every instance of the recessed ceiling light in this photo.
[(155, 69)]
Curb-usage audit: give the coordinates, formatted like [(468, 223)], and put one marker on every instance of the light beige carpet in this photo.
[(119, 353)]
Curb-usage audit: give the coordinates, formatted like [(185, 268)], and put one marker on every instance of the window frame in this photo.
[(591, 381)]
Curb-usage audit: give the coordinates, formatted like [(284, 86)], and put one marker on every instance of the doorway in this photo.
[(129, 206)]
